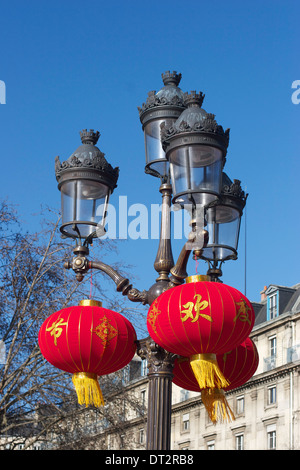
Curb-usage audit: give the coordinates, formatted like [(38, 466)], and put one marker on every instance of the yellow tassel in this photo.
[(88, 389), (207, 371), (217, 405)]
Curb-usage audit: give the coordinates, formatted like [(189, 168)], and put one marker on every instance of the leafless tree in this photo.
[(37, 400)]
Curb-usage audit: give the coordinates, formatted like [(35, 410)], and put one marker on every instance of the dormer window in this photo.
[(272, 294), (272, 306)]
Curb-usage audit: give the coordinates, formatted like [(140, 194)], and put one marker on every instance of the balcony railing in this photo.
[(293, 353), (269, 363)]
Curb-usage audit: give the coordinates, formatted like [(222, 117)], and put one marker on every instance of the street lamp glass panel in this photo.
[(223, 226), (84, 204), (155, 155), (196, 174)]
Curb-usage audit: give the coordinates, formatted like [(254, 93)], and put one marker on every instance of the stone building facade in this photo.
[(267, 407)]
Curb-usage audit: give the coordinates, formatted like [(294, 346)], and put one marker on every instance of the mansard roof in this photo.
[(288, 302)]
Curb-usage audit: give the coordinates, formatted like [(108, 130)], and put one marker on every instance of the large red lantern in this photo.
[(199, 320), (237, 366), (87, 341)]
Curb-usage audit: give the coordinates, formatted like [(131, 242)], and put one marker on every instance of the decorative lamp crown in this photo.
[(233, 189), (193, 98), (195, 120), (89, 137), (171, 78), (169, 96), (88, 158)]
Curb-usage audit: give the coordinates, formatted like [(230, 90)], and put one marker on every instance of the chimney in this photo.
[(263, 294)]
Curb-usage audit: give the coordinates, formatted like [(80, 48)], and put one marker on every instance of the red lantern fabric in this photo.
[(237, 366), (200, 317), (199, 320), (87, 341)]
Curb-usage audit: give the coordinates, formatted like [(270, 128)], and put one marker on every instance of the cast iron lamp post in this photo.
[(186, 149)]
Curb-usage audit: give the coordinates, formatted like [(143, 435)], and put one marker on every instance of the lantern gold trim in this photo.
[(90, 303), (197, 278)]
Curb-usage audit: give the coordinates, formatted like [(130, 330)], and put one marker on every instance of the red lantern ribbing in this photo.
[(199, 320), (87, 341)]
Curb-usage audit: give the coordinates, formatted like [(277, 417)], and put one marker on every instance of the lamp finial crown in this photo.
[(171, 78), (193, 98), (89, 137)]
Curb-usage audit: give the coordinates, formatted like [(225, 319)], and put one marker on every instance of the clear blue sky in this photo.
[(69, 65)]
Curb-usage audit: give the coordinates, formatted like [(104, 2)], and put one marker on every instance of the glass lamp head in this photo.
[(195, 147), (164, 105), (223, 220), (86, 181)]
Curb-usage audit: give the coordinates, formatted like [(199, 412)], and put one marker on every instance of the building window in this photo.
[(273, 346), (186, 422), (240, 405), (271, 436), (126, 375), (239, 442), (272, 306), (143, 398), (272, 440), (144, 366), (184, 395), (210, 445), (270, 362), (142, 436), (272, 395), (141, 409)]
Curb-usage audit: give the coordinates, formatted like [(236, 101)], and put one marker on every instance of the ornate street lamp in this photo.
[(183, 138), (223, 219), (196, 148), (86, 181), (164, 106)]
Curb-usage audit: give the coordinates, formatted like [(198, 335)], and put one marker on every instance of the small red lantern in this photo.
[(199, 320), (87, 341), (237, 366)]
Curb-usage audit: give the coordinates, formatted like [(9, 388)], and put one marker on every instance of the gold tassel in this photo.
[(217, 405), (207, 371), (88, 389)]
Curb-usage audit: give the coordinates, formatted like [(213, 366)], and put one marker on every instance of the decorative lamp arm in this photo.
[(80, 265), (179, 272)]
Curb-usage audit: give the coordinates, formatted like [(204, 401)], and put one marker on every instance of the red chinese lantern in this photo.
[(199, 320), (87, 341), (237, 366)]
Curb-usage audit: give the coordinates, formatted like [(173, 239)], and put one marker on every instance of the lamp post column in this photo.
[(160, 364)]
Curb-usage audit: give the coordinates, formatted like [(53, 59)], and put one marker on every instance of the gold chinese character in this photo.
[(197, 306), (243, 312), (153, 314), (56, 329)]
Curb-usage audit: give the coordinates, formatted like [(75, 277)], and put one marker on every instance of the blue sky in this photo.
[(69, 65)]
